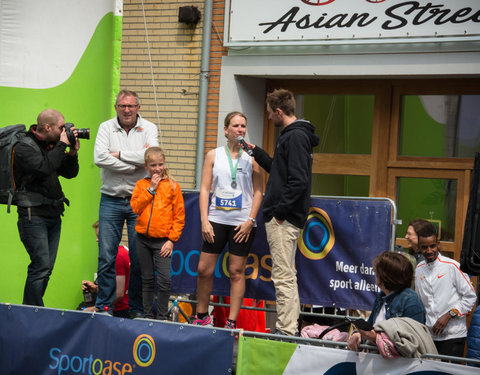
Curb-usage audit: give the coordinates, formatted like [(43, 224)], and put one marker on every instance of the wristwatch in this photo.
[(252, 220), (453, 313), (151, 191)]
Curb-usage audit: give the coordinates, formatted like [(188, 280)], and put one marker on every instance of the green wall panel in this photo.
[(85, 99)]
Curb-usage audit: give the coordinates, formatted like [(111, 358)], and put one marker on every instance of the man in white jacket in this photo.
[(119, 152), (447, 294)]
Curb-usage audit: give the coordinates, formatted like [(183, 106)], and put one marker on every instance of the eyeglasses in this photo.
[(129, 106)]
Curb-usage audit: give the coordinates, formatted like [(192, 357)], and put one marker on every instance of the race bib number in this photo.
[(228, 199)]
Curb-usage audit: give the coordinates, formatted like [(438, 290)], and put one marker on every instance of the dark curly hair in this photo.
[(283, 99), (427, 230)]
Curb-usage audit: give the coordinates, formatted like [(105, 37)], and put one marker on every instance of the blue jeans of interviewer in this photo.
[(40, 236), (113, 213)]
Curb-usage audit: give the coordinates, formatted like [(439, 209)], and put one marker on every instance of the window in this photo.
[(343, 122), (439, 125), (411, 140), (339, 185), (430, 199)]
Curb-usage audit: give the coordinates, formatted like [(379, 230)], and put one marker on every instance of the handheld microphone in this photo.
[(244, 144)]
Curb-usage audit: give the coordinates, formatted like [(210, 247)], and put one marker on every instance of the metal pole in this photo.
[(203, 90)]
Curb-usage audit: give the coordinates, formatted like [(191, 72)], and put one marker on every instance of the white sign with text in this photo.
[(264, 22)]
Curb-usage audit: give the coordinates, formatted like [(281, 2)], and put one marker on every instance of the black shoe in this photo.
[(136, 314)]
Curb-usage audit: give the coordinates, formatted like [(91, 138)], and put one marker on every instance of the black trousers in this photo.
[(155, 271), (452, 347)]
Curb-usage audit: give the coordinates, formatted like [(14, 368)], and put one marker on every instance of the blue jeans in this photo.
[(113, 213), (40, 236)]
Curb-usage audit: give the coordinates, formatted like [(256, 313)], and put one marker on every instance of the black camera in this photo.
[(89, 297), (82, 133)]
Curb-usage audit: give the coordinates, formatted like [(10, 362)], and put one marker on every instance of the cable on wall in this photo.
[(153, 78)]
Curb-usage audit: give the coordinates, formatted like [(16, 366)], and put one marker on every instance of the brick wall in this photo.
[(217, 50), (175, 54)]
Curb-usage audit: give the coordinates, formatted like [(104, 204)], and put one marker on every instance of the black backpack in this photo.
[(10, 194)]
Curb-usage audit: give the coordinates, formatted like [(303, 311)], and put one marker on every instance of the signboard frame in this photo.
[(333, 22)]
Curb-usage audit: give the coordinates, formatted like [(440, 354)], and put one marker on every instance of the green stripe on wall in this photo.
[(86, 100)]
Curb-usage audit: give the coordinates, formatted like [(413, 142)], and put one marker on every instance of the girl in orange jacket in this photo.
[(158, 201)]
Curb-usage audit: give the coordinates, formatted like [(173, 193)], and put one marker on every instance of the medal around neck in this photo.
[(233, 168)]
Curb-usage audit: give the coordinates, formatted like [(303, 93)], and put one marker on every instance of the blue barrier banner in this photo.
[(335, 252), (187, 253), (49, 341)]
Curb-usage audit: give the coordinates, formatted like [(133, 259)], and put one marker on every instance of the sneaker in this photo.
[(230, 325), (207, 321)]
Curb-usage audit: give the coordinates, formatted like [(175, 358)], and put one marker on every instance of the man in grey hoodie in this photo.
[(287, 200)]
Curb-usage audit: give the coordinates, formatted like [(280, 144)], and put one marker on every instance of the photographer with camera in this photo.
[(38, 161)]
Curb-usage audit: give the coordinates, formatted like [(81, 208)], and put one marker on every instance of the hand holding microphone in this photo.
[(244, 145)]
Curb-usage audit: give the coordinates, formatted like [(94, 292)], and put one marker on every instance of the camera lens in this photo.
[(83, 133)]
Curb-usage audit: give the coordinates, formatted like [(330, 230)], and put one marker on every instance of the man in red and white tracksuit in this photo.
[(447, 294)]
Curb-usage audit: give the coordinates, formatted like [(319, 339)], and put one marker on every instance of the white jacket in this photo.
[(119, 176), (442, 286)]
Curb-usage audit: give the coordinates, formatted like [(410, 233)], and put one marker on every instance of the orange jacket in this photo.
[(167, 216)]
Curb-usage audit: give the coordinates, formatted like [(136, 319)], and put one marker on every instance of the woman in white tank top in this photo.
[(235, 180)]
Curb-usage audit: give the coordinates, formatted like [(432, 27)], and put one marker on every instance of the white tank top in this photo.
[(222, 180)]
